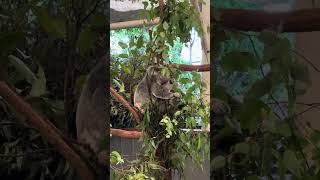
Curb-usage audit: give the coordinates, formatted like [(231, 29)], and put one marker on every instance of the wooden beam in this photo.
[(135, 133), (304, 20), (133, 24)]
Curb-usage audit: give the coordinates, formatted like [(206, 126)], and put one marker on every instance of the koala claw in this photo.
[(138, 105), (176, 94)]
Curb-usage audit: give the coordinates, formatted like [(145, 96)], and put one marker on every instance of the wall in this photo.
[(308, 44)]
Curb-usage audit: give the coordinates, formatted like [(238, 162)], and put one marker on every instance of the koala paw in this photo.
[(176, 94)]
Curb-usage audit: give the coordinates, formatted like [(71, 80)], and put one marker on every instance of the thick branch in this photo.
[(136, 114), (305, 20), (125, 134), (185, 67), (47, 130), (204, 40)]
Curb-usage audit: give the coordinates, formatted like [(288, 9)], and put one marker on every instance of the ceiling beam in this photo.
[(304, 20), (133, 24)]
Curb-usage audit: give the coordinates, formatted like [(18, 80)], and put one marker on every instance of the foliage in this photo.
[(165, 144), (41, 42), (261, 137)]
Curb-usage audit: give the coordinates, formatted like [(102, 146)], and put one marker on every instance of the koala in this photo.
[(153, 86), (92, 118)]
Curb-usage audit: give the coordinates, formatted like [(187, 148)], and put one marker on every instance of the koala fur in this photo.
[(92, 118), (152, 87)]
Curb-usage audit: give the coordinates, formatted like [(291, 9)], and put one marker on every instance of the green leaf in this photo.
[(9, 41), (218, 162), (99, 20), (140, 42), (22, 69), (221, 93), (185, 80), (115, 158), (165, 25), (238, 61), (251, 113), (123, 56), (81, 80), (284, 129), (131, 43), (268, 37), (126, 69), (279, 52), (291, 162), (242, 148), (162, 34), (86, 40), (145, 4), (50, 24), (123, 45), (300, 72), (122, 88), (253, 177), (39, 85), (315, 138), (262, 87)]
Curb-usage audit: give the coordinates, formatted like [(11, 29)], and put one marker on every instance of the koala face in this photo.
[(154, 72), (154, 86)]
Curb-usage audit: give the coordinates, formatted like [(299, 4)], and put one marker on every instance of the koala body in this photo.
[(154, 86), (92, 118)]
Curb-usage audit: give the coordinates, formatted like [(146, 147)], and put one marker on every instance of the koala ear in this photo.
[(150, 70)]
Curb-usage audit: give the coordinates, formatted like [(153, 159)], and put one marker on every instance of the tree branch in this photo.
[(125, 133), (305, 20), (48, 131), (186, 67), (136, 114), (91, 12)]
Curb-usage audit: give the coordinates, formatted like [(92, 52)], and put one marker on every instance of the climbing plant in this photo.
[(165, 146)]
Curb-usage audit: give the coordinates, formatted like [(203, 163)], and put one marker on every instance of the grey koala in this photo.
[(92, 118), (153, 86)]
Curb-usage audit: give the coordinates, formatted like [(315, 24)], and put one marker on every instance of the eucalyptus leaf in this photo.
[(218, 162), (52, 25), (238, 61), (86, 40), (9, 41), (291, 162), (39, 85), (242, 148), (22, 68), (123, 45)]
